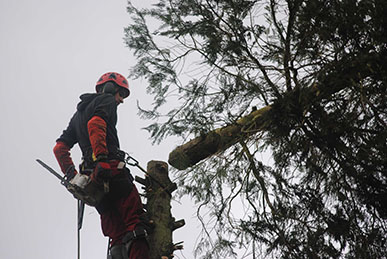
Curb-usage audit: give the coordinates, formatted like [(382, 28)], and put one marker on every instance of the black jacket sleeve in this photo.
[(69, 134)]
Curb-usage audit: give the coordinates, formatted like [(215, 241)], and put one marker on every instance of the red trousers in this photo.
[(123, 217)]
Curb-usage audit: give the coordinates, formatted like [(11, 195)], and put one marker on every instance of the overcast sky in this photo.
[(52, 51)]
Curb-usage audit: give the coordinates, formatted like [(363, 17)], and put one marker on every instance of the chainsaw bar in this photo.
[(63, 180)]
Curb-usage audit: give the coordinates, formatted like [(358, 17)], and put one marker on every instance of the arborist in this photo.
[(103, 180)]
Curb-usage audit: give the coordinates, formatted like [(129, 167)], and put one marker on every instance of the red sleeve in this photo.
[(97, 134), (62, 154)]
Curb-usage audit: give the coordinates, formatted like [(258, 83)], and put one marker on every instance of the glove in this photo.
[(69, 174), (102, 172)]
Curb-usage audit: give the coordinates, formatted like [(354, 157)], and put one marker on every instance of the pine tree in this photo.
[(301, 80)]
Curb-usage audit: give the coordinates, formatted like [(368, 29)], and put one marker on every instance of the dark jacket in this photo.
[(102, 105)]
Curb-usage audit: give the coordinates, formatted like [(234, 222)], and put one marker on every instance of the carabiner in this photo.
[(129, 158)]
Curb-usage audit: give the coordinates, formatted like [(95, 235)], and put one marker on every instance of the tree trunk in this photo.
[(158, 190)]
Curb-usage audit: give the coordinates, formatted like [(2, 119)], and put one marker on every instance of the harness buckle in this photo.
[(106, 187)]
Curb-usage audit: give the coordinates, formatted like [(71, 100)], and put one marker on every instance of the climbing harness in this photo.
[(121, 251)]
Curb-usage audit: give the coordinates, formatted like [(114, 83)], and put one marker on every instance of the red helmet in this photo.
[(117, 78)]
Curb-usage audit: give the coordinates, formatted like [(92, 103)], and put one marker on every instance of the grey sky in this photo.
[(52, 51)]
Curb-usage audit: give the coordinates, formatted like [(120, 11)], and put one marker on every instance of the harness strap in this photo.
[(128, 239), (121, 251), (139, 232)]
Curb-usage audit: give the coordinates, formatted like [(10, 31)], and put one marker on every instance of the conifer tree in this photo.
[(301, 81)]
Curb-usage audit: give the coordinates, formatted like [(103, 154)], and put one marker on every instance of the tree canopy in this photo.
[(307, 178)]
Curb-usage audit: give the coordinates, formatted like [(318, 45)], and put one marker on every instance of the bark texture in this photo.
[(218, 140), (158, 190)]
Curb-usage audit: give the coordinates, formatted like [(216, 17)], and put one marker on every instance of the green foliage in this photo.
[(321, 66)]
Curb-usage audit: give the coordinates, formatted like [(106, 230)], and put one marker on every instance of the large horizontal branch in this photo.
[(340, 75), (218, 140)]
